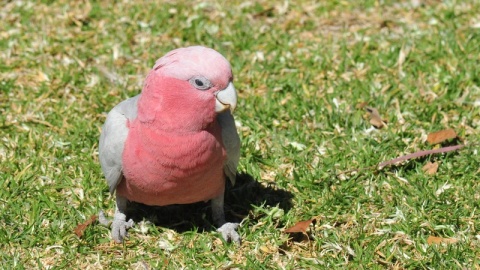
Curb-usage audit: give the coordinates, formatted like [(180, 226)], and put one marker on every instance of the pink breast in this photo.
[(163, 169)]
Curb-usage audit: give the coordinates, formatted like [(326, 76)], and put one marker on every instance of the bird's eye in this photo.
[(200, 83)]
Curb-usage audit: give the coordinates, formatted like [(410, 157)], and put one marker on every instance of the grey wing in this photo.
[(231, 141), (112, 140)]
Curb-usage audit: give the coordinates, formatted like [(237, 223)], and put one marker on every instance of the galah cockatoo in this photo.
[(176, 142)]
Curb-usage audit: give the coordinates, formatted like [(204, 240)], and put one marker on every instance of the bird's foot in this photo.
[(103, 220), (229, 232), (119, 225)]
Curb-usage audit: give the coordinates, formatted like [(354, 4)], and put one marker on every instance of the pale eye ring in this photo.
[(200, 82)]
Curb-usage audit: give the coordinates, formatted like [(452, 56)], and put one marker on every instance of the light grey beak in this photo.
[(226, 99)]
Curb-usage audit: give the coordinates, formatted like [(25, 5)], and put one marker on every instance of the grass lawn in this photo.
[(303, 72)]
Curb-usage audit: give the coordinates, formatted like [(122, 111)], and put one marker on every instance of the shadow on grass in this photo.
[(239, 201)]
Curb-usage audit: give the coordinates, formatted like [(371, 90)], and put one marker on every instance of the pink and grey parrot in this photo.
[(176, 142)]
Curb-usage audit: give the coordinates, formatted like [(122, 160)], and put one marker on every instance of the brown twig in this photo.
[(406, 157), (420, 154)]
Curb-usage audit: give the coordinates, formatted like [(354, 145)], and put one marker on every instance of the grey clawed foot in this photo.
[(103, 220), (119, 225), (229, 232)]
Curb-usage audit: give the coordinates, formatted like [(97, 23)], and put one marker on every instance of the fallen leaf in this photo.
[(439, 240), (166, 245), (361, 105), (375, 118), (441, 136), (298, 146), (379, 253), (442, 189), (41, 77), (430, 168), (301, 226), (268, 249), (476, 25), (80, 229)]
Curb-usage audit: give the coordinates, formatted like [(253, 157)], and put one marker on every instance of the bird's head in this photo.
[(188, 85)]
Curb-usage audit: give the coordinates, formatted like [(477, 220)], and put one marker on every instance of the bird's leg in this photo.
[(120, 223), (227, 229)]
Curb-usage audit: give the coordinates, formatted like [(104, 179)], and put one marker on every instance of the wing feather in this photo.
[(112, 140), (231, 141)]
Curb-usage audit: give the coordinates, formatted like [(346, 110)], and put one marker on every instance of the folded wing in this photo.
[(112, 140), (231, 141)]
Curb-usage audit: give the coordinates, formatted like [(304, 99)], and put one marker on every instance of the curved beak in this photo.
[(226, 99)]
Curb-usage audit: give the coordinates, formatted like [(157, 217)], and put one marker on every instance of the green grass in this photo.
[(300, 69)]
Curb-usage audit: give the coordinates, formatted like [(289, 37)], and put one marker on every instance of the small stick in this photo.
[(420, 154), (406, 157)]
